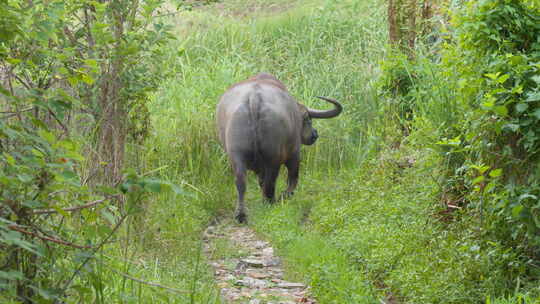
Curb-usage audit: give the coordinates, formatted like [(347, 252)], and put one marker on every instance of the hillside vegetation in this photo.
[(423, 191)]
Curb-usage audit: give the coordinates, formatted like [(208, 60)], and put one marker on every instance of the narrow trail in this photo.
[(246, 269)]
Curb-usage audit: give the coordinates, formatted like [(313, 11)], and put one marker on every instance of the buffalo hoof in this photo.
[(241, 216), (286, 195), (269, 200)]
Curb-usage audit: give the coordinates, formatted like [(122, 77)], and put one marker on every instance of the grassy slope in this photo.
[(359, 228)]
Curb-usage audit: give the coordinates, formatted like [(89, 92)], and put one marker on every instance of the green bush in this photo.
[(499, 82)]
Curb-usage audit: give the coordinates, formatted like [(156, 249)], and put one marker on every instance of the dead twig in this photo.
[(8, 114), (149, 283), (89, 257), (47, 238), (74, 208), (66, 130)]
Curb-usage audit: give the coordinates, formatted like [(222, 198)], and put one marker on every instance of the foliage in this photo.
[(475, 104), (397, 82), (65, 67), (499, 84), (48, 232)]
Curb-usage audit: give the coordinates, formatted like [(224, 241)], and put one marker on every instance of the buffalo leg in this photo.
[(293, 168), (260, 178), (269, 183), (240, 175)]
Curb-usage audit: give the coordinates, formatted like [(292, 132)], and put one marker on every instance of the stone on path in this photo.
[(251, 282), (260, 244), (273, 261), (258, 275), (269, 251), (289, 285), (253, 263), (252, 275)]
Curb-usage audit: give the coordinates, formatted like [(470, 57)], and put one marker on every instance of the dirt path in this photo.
[(246, 269)]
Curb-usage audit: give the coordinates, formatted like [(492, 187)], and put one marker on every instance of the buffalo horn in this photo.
[(327, 113)]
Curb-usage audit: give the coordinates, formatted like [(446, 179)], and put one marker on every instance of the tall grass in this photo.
[(313, 50)]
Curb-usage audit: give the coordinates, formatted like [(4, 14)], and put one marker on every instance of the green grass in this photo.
[(367, 232), (359, 227)]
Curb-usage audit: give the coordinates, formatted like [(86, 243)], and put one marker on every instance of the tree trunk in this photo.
[(112, 124), (411, 24), (393, 28)]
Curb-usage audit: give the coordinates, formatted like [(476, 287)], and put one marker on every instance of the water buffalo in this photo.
[(261, 127)]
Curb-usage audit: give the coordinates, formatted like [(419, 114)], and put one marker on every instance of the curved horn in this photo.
[(327, 113)]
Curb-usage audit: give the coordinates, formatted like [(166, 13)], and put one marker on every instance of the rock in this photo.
[(245, 294), (257, 275), (210, 230), (252, 283), (241, 266), (271, 262), (228, 277), (254, 263), (269, 251), (277, 274), (222, 284), (289, 285), (260, 244)]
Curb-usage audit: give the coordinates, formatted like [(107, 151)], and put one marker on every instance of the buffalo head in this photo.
[(309, 134)]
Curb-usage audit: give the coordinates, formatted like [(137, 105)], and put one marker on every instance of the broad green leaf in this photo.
[(153, 185), (517, 89), (450, 142), (492, 76), (533, 96), (536, 113), (13, 61), (527, 196), (11, 275), (48, 136), (91, 63), (105, 230), (33, 204), (522, 107), (516, 211), (15, 238), (503, 78), (478, 179), (68, 174), (108, 216), (496, 173), (25, 178), (73, 81), (511, 127), (60, 210), (87, 79), (500, 110), (480, 168), (9, 159)]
